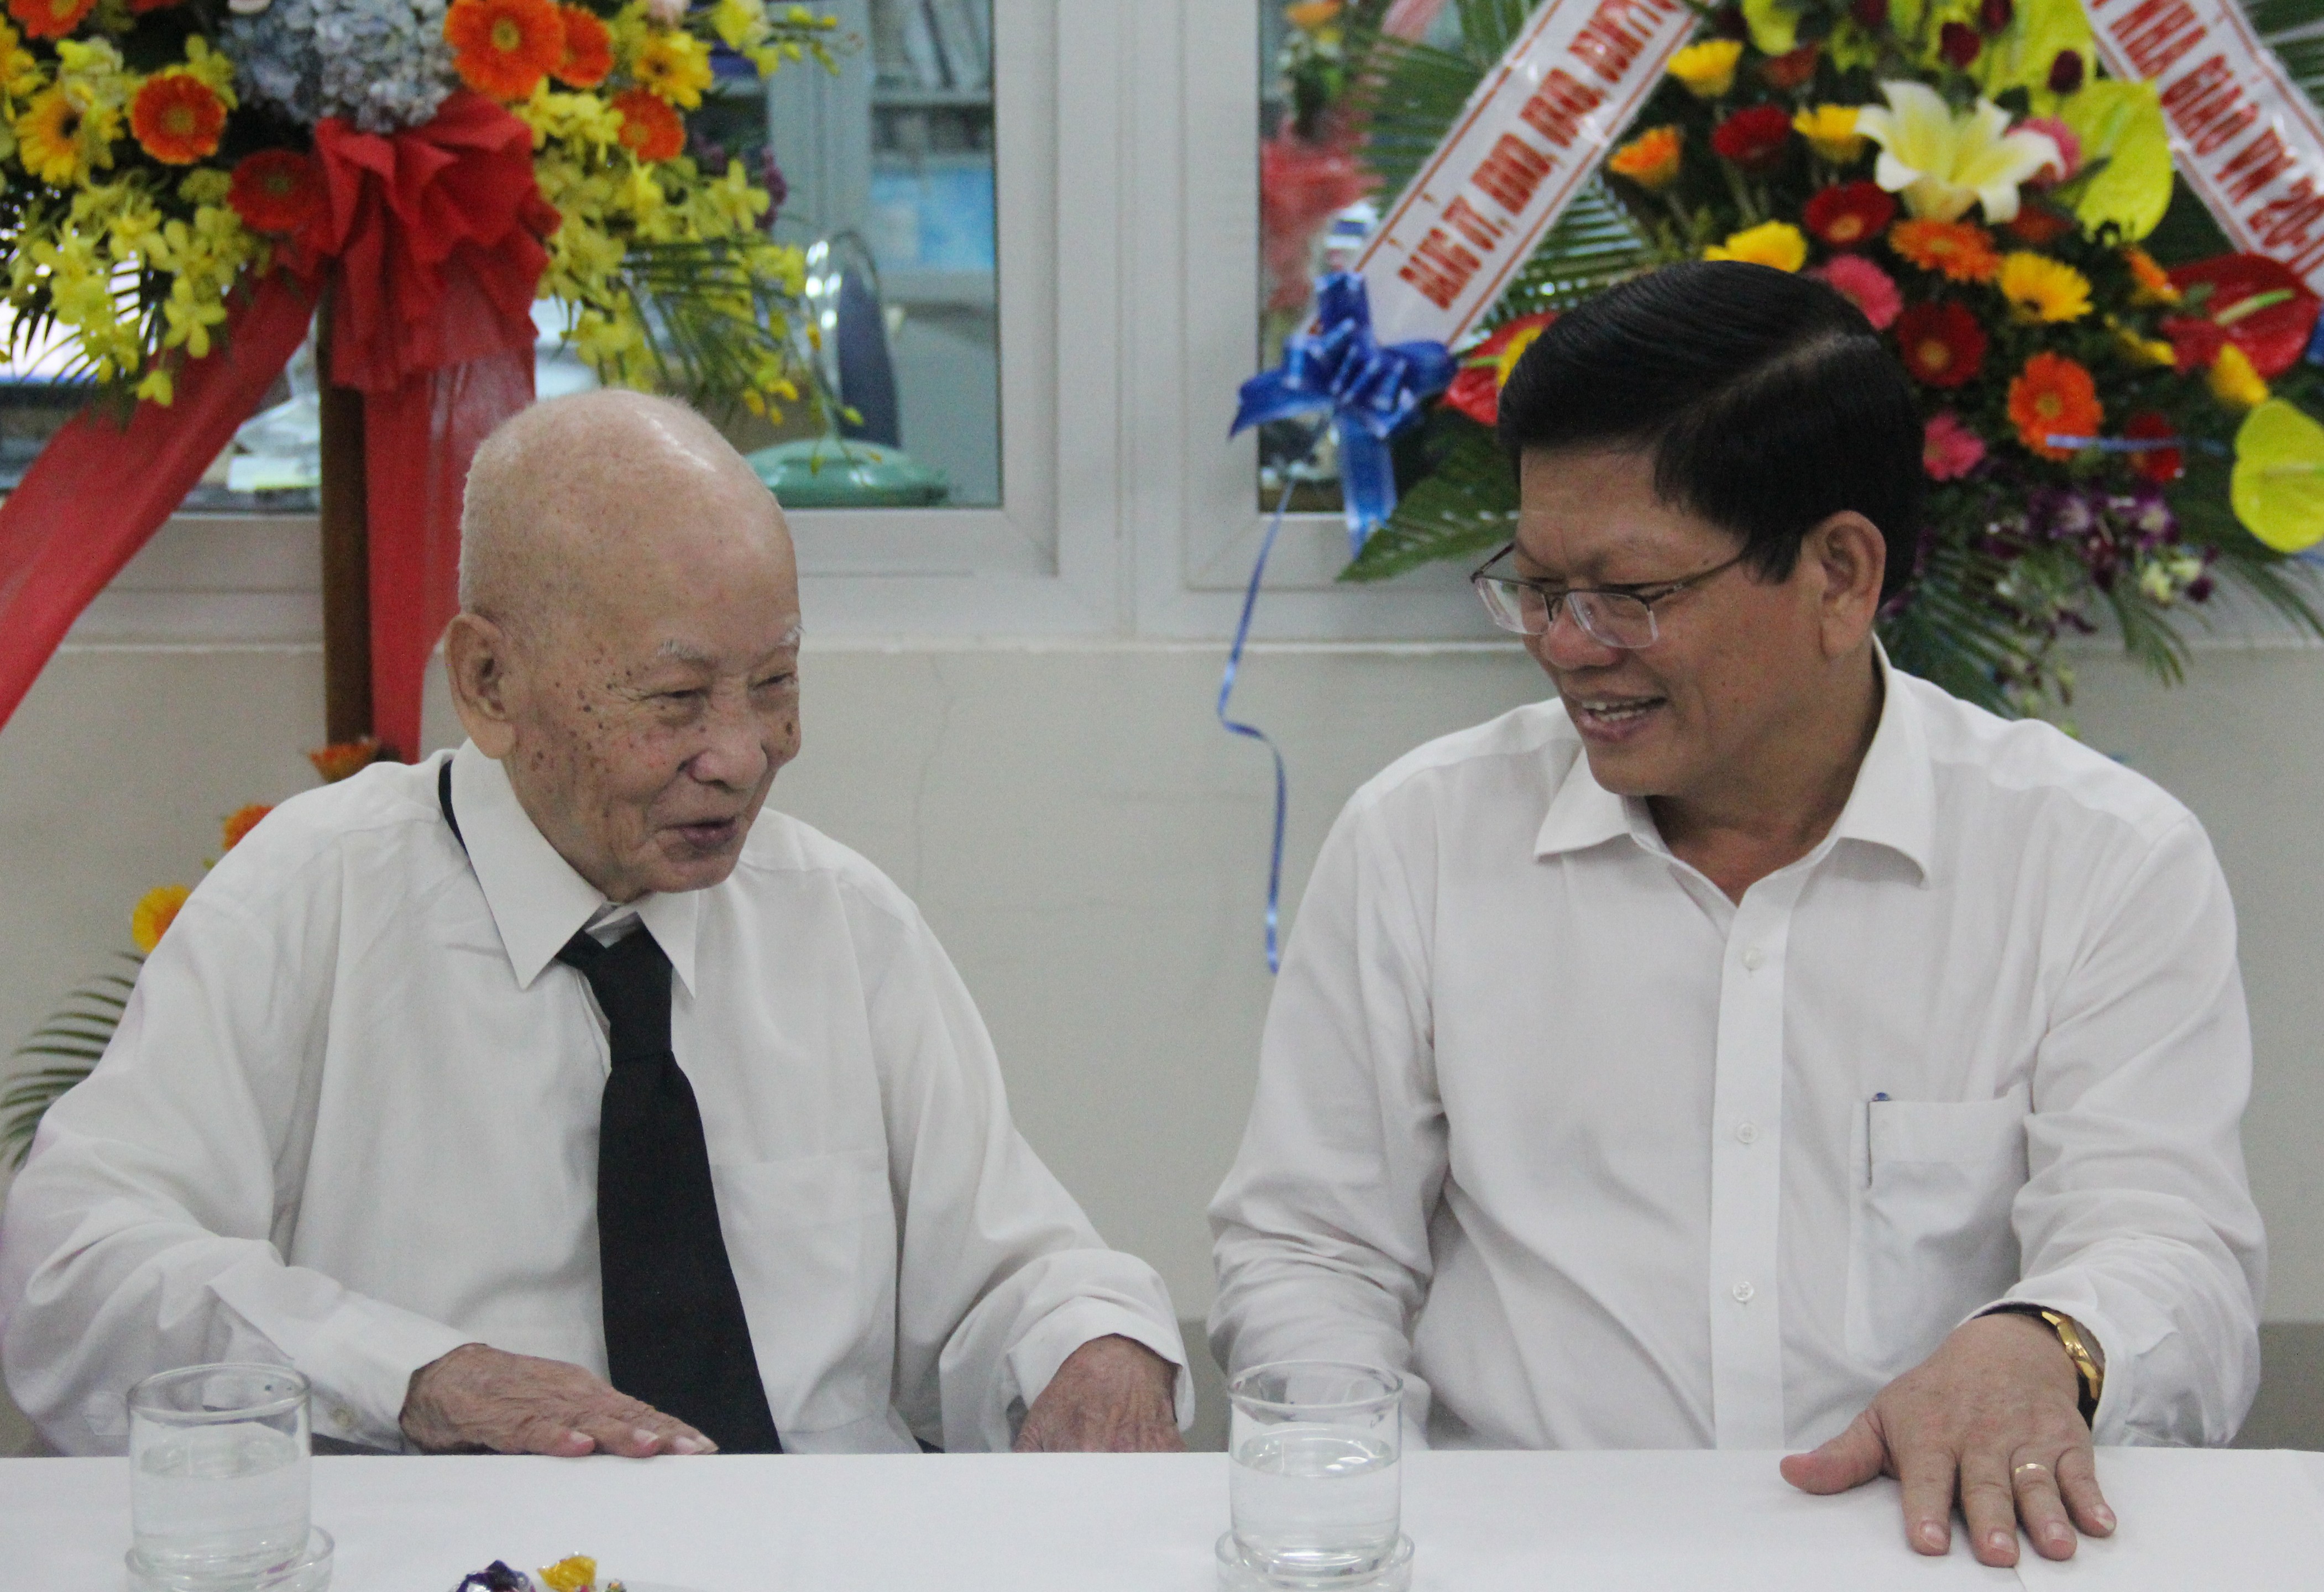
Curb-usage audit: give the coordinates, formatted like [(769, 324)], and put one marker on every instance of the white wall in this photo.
[(1092, 848)]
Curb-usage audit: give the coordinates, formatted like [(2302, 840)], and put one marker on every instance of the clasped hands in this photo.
[(1110, 1394), (1993, 1419)]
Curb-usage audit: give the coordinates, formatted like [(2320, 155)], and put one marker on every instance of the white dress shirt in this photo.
[(349, 1121), (1603, 1159)]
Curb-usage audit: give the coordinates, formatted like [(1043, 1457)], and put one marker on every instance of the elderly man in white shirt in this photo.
[(550, 1096), (1757, 1047)]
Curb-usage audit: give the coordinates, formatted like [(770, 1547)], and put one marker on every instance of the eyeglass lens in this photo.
[(1609, 618)]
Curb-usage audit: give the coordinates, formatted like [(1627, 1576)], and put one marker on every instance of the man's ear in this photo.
[(479, 662), (1852, 556)]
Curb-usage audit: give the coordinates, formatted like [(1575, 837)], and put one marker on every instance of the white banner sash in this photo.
[(2242, 133), (1529, 137)]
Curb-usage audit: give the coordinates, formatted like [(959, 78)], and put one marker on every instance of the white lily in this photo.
[(1942, 164)]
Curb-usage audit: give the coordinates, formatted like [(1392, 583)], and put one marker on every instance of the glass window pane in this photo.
[(889, 171)]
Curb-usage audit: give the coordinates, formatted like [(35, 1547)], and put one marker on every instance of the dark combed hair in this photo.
[(1765, 399)]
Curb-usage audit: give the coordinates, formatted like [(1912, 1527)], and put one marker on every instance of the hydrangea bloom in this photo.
[(381, 64)]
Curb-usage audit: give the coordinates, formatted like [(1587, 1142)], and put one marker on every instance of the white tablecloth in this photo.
[(1658, 1521)]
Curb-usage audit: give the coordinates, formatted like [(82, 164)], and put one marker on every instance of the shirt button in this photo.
[(1743, 1291), (343, 1418), (1752, 959), (1746, 1133)]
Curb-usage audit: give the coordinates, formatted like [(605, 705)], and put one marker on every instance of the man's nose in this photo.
[(734, 752), (1566, 645)]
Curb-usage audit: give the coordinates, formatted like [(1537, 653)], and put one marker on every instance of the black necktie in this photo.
[(675, 1333)]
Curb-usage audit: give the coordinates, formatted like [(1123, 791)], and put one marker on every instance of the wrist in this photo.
[(2082, 1350)]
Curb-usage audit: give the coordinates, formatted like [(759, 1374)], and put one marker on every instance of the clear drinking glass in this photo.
[(1315, 1484), (218, 1488)]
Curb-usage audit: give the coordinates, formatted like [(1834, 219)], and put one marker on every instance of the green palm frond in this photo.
[(1955, 633), (1591, 247), (1463, 509), (68, 1044)]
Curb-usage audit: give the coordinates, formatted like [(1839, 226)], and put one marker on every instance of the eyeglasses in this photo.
[(1623, 619)]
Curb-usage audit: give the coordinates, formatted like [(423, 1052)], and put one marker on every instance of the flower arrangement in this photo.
[(2103, 433), (62, 1050), (154, 154)]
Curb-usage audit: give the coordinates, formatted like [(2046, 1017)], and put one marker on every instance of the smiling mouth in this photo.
[(1613, 718)]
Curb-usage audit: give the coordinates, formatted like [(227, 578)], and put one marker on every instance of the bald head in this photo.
[(627, 647), (579, 496)]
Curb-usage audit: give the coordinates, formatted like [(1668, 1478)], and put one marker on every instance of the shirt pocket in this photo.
[(812, 1239), (1929, 1237)]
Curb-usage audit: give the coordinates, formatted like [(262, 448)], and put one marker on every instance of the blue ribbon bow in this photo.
[(1372, 393)]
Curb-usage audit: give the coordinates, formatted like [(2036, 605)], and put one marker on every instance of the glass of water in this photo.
[(218, 1487), (1315, 1483)]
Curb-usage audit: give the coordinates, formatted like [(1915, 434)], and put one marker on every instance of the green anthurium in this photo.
[(2278, 485), (1775, 25), (2122, 124), (2021, 55)]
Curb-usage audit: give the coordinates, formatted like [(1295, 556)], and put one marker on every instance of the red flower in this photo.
[(1476, 391), (140, 7), (1755, 139), (1942, 344), (276, 190), (2066, 71), (177, 118), (1870, 15), (2255, 303), (50, 19), (1960, 44), (588, 49), (1993, 15), (1848, 214), (650, 128), (2039, 225), (2161, 466), (1786, 72)]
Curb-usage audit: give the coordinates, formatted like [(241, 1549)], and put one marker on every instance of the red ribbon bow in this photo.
[(432, 241)]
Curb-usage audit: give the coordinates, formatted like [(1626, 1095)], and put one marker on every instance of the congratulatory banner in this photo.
[(2241, 132), (1529, 137)]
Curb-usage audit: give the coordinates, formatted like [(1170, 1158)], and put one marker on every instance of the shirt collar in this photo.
[(1892, 804), (536, 900)]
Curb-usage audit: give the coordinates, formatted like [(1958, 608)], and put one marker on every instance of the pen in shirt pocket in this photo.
[(1875, 1100)]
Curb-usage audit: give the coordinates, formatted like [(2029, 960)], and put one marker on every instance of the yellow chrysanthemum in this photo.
[(61, 140), (2234, 381), (20, 72), (156, 910), (2145, 350), (1831, 132), (2042, 289), (576, 1574), (1707, 69), (1778, 243), (675, 66)]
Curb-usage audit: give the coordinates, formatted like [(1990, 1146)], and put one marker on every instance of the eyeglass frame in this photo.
[(1663, 590)]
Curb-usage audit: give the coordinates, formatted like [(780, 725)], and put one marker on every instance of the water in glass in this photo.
[(223, 1501), (1314, 1503)]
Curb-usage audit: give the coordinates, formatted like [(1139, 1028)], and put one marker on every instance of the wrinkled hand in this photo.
[(483, 1400), (1992, 1417), (1113, 1396)]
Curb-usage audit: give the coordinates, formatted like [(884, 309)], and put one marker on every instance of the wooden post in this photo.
[(347, 551)]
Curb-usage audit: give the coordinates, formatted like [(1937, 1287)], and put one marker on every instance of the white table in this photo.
[(1642, 1522)]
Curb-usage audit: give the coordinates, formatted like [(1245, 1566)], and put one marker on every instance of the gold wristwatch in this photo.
[(2087, 1364)]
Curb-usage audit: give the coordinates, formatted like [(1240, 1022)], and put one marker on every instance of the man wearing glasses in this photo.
[(1755, 1046)]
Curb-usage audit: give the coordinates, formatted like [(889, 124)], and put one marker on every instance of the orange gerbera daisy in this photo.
[(156, 910), (276, 190), (505, 47), (588, 49), (1651, 158), (50, 19), (650, 128), (177, 118), (243, 820), (2054, 396), (343, 760), (1961, 250)]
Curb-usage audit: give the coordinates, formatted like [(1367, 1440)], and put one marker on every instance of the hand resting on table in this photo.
[(1992, 1418), (1113, 1396), (479, 1399)]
